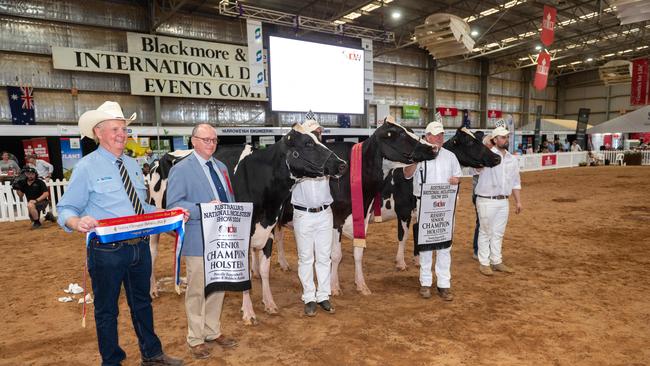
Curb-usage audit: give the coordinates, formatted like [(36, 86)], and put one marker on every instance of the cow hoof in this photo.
[(285, 267), (251, 321), (271, 310), (400, 266), (364, 290), (256, 275), (336, 291)]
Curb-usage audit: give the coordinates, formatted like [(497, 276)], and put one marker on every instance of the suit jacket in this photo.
[(186, 188)]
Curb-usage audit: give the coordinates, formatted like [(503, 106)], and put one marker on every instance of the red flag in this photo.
[(639, 86), (493, 113), (548, 25), (447, 111), (38, 146), (543, 65)]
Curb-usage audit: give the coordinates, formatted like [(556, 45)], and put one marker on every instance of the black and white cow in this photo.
[(265, 178), (397, 193)]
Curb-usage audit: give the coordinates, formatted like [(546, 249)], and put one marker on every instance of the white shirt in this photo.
[(43, 168), (576, 147), (206, 171), (438, 170), (312, 193), (501, 179)]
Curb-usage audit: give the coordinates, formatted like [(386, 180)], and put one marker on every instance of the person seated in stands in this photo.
[(8, 166), (43, 168), (38, 196)]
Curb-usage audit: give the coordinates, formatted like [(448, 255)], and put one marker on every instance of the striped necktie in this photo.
[(128, 186)]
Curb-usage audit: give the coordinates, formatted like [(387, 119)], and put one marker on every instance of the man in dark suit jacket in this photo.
[(200, 178)]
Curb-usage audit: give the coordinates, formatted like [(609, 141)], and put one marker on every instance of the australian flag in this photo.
[(21, 102)]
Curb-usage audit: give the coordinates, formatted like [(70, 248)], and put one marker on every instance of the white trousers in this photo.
[(493, 217), (313, 232), (443, 268)]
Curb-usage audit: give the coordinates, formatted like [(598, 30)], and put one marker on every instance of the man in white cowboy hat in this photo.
[(495, 185), (445, 168), (107, 184), (312, 228)]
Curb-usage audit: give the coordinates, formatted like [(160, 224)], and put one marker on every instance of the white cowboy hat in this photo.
[(311, 125), (434, 128), (106, 111), (500, 131)]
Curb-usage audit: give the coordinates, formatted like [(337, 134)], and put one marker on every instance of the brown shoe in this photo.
[(445, 294), (502, 268), (200, 351), (223, 341), (486, 270), (425, 292)]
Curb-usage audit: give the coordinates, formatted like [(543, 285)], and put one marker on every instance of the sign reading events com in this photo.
[(226, 236), (171, 67), (436, 215)]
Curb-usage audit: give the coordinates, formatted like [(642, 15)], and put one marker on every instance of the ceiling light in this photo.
[(589, 59), (352, 15), (370, 7), (396, 14), (538, 47), (473, 33)]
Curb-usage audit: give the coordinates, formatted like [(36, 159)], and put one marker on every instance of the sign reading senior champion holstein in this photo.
[(436, 216), (226, 235)]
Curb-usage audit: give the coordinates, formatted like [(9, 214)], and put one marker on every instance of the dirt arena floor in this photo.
[(580, 296)]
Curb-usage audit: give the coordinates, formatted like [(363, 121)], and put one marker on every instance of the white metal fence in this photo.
[(12, 208)]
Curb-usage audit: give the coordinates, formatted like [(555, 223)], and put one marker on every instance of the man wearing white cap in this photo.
[(494, 187), (107, 184), (445, 168), (312, 228)]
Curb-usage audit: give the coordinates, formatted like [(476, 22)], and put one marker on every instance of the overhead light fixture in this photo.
[(396, 14), (473, 33), (353, 15), (538, 47), (370, 7), (589, 59)]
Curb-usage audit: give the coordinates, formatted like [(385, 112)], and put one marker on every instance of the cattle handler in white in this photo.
[(494, 187), (312, 228), (445, 168)]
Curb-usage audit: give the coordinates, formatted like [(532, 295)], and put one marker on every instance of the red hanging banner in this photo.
[(541, 74), (447, 112), (38, 146), (493, 113), (548, 25), (639, 86)]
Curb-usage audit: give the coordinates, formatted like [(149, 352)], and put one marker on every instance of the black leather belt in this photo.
[(499, 197), (134, 241), (312, 210)]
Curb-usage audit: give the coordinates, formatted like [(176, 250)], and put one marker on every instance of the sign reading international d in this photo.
[(170, 67)]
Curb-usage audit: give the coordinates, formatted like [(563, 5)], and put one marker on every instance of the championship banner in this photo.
[(226, 229), (549, 160), (548, 25), (447, 112), (541, 74), (255, 56), (436, 216), (639, 85), (131, 227)]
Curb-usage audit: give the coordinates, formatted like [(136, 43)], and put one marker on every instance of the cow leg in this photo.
[(336, 256), (402, 237), (248, 314), (416, 257), (255, 266), (358, 272), (153, 247), (265, 271), (279, 241)]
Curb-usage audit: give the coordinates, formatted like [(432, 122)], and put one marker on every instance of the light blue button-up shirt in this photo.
[(96, 189)]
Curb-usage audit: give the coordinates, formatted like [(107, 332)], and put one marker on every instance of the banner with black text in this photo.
[(436, 216)]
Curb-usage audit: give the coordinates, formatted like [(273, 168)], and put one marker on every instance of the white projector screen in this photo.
[(313, 76)]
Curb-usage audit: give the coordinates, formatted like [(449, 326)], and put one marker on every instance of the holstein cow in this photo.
[(265, 178), (390, 142), (397, 193)]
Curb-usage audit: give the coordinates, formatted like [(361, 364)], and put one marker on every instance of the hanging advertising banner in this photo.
[(493, 113), (541, 74), (548, 25), (70, 154), (639, 85), (447, 111), (38, 146), (255, 56), (411, 112), (549, 160)]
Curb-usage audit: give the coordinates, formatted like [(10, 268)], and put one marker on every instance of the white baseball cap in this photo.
[(500, 131), (435, 128)]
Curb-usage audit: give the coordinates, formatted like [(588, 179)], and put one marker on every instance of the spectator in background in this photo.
[(575, 147), (557, 145), (43, 168), (38, 196), (550, 147), (8, 166), (150, 157), (566, 145), (529, 149), (520, 150)]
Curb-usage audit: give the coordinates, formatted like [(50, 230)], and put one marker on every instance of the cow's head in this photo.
[(470, 150), (308, 158), (398, 144), (158, 176)]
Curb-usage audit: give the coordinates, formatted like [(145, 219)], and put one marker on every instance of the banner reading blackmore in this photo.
[(226, 234), (436, 216)]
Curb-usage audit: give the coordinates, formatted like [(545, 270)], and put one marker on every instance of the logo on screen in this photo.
[(352, 56)]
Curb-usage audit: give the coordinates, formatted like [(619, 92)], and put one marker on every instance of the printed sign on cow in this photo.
[(226, 236), (436, 214)]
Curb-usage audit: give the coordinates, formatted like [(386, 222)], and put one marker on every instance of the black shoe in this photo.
[(162, 360), (36, 225), (310, 308), (50, 217), (327, 306)]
